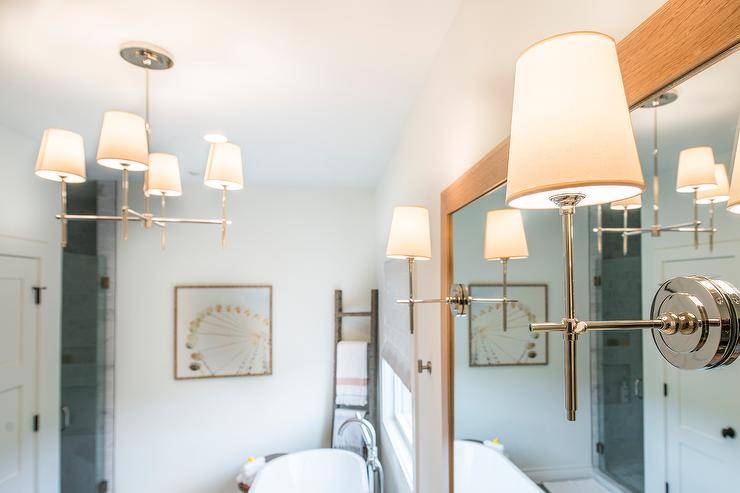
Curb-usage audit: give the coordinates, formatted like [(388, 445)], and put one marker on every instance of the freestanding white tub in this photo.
[(313, 471), (478, 469)]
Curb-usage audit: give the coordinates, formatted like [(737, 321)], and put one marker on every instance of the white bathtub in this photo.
[(313, 471), (478, 469)]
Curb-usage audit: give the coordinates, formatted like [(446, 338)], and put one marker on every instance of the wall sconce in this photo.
[(409, 239), (564, 154), (695, 170), (716, 195), (505, 240)]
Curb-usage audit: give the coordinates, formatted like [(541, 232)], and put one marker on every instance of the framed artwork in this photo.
[(493, 344), (223, 331)]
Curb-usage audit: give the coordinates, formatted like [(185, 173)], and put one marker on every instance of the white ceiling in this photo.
[(316, 92)]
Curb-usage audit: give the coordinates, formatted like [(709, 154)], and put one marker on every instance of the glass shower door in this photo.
[(616, 360), (85, 434)]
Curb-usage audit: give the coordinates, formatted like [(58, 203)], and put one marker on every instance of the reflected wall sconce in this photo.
[(713, 196), (590, 158), (409, 239), (124, 146), (694, 175), (504, 240), (733, 204)]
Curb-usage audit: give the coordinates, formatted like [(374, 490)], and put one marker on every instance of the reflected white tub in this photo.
[(313, 471), (478, 469)]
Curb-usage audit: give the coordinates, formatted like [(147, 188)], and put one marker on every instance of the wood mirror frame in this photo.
[(678, 40)]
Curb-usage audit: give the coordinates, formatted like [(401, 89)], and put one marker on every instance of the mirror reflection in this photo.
[(641, 422)]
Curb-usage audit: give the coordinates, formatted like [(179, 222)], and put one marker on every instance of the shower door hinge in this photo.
[(104, 282), (665, 390), (103, 486), (597, 280), (599, 448), (667, 488), (36, 419)]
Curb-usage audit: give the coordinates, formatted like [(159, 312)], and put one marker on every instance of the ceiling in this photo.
[(316, 93)]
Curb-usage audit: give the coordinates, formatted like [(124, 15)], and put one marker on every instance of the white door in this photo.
[(18, 276), (700, 404)]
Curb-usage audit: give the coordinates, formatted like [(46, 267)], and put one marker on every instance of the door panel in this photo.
[(17, 374)]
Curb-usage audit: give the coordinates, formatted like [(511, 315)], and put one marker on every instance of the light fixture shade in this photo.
[(695, 170), (409, 236), (733, 205), (570, 126), (720, 193), (629, 204), (504, 235), (61, 155), (224, 168), (164, 175), (123, 142)]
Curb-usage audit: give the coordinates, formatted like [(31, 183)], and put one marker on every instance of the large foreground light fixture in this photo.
[(124, 146), (564, 154)]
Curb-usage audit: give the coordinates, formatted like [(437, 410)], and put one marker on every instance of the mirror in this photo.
[(641, 422)]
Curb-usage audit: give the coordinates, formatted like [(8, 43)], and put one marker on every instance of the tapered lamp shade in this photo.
[(123, 142), (164, 175), (733, 205), (720, 193), (504, 236), (629, 204), (409, 236), (61, 156), (570, 126), (695, 170), (224, 168)]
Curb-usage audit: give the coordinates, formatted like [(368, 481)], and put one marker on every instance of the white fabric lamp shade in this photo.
[(224, 168), (629, 204), (409, 236), (720, 193), (570, 126), (61, 156), (164, 175), (695, 170), (123, 142), (504, 236), (733, 205)]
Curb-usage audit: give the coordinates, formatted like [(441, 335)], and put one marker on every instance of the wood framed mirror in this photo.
[(679, 40)]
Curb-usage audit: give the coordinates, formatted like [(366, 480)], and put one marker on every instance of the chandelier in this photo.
[(124, 146), (698, 174)]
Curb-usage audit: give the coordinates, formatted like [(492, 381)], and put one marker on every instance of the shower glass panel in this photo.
[(616, 357)]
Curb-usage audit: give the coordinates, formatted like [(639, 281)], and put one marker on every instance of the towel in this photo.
[(351, 373), (351, 439)]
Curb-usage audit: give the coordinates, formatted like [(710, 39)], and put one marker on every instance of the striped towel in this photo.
[(352, 373)]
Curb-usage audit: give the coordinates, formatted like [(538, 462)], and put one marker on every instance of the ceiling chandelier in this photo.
[(124, 146), (697, 174)]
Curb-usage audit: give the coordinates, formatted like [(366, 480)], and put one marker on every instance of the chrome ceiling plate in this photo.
[(146, 55), (459, 300), (716, 308), (662, 100)]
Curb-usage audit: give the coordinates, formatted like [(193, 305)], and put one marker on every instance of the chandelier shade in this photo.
[(409, 237), (61, 156), (571, 132), (224, 167), (124, 143), (718, 194), (696, 170), (164, 175), (629, 204), (504, 236)]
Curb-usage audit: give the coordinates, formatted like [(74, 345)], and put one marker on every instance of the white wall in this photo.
[(28, 227), (191, 436), (462, 111), (524, 405)]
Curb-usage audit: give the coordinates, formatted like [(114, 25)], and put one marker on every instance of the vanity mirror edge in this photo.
[(678, 40)]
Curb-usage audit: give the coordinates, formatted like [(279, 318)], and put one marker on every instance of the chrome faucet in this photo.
[(372, 462)]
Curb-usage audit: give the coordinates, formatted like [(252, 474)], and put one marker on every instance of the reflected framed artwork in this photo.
[(223, 331), (495, 343)]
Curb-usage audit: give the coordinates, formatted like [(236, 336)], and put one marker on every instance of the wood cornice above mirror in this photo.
[(679, 39)]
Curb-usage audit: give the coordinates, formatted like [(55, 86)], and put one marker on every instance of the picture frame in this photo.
[(222, 330), (488, 345)]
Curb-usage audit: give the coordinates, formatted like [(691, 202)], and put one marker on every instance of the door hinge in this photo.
[(667, 488), (37, 294), (104, 282), (599, 448), (36, 423), (665, 390), (597, 280), (103, 486)]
